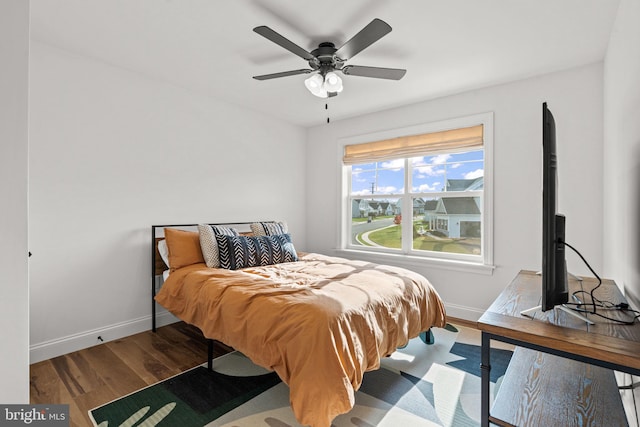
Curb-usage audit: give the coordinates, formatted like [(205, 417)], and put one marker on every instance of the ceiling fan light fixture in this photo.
[(315, 84), (332, 82)]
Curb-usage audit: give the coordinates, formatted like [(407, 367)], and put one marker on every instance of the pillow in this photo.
[(269, 228), (208, 242), (250, 251), (184, 248), (163, 251)]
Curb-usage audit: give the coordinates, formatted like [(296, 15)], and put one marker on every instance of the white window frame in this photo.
[(476, 263)]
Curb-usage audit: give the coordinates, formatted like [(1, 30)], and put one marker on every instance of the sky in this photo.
[(429, 173)]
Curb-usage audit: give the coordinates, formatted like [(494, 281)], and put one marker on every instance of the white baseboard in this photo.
[(471, 314), (57, 347)]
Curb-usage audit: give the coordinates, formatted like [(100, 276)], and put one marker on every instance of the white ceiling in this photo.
[(447, 47)]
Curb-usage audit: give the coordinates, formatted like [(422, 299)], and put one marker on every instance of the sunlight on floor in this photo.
[(398, 355), (447, 383)]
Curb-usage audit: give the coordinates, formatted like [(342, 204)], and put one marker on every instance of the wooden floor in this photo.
[(91, 377)]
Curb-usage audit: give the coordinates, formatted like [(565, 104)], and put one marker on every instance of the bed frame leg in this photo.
[(427, 337), (210, 355)]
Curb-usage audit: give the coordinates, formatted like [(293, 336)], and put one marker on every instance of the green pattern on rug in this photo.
[(200, 396), (419, 385)]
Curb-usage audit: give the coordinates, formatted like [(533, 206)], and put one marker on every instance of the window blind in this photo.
[(414, 145)]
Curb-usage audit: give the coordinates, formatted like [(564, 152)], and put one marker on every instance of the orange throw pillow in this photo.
[(184, 248)]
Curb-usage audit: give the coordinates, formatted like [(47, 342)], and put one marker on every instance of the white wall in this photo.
[(113, 152), (622, 151), (575, 98), (14, 284)]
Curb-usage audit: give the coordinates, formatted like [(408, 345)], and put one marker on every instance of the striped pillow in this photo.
[(251, 251), (208, 242), (270, 228)]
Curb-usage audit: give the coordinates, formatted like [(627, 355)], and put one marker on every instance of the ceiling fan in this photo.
[(326, 59)]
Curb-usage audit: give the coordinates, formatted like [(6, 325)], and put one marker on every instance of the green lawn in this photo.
[(390, 237), (458, 246)]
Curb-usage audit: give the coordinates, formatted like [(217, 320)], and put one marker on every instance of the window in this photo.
[(422, 191)]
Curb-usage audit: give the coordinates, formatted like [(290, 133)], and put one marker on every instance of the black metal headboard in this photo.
[(155, 261)]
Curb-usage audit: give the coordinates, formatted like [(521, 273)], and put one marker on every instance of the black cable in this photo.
[(595, 313), (595, 302), (593, 299)]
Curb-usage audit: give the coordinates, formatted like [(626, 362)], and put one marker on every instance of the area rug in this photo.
[(418, 385)]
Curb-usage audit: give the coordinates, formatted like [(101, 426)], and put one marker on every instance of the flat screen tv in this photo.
[(555, 285), (554, 267)]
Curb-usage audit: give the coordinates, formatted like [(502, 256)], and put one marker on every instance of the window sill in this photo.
[(416, 261)]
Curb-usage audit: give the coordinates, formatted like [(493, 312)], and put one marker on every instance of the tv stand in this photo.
[(554, 390), (530, 311), (570, 275)]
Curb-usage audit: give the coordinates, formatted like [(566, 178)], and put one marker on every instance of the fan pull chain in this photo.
[(326, 107)]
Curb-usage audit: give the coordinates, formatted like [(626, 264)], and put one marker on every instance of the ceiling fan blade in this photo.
[(370, 34), (375, 72), (282, 74), (283, 42)]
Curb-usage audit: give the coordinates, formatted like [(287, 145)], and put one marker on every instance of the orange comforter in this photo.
[(320, 323)]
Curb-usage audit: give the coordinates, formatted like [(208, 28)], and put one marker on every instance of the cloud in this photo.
[(423, 188), (362, 193), (389, 189), (433, 167), (393, 164), (440, 159), (428, 170), (474, 174)]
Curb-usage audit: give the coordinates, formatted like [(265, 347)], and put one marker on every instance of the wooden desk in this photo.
[(605, 344)]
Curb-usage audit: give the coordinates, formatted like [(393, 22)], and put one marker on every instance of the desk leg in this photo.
[(485, 371)]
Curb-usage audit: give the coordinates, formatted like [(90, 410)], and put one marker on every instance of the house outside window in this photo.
[(423, 191)]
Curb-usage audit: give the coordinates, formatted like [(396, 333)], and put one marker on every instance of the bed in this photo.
[(319, 322)]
